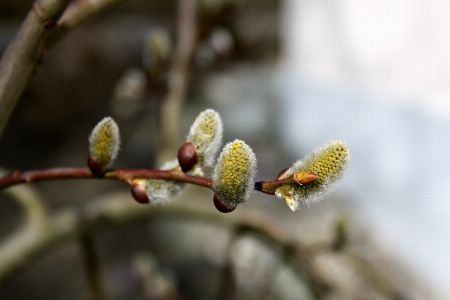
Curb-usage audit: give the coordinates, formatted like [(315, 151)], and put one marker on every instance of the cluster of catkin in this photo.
[(233, 171)]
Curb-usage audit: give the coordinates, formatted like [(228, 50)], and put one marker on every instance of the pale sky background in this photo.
[(376, 74), (398, 48)]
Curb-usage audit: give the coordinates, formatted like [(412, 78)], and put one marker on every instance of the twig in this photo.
[(36, 213), (17, 177), (30, 177), (75, 15)]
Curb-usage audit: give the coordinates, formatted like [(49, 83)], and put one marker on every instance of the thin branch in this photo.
[(17, 177), (36, 213), (76, 14), (30, 177)]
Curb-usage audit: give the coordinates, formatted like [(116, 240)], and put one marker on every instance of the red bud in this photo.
[(282, 174), (139, 194), (221, 206), (187, 157), (95, 166)]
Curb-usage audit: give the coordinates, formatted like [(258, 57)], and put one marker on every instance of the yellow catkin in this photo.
[(206, 135), (328, 162), (104, 142), (234, 173)]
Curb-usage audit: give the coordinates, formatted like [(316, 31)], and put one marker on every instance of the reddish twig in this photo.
[(30, 177)]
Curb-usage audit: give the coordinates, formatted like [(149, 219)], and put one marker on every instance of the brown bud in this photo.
[(304, 177), (282, 174), (187, 157), (95, 166), (139, 194), (221, 206)]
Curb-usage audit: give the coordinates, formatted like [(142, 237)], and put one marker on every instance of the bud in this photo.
[(234, 173), (327, 163), (160, 190), (138, 191), (221, 206), (157, 48), (187, 157), (206, 135), (104, 144), (128, 92)]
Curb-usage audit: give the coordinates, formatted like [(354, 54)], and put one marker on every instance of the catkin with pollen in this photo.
[(206, 135), (328, 162), (104, 142), (234, 173)]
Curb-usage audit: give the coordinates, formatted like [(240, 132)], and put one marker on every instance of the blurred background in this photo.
[(376, 74), (287, 77)]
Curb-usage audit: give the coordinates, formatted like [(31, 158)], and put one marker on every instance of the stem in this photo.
[(117, 211), (24, 53), (30, 177), (270, 186), (75, 15), (172, 104), (92, 267)]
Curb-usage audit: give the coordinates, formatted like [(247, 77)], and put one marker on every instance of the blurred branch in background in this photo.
[(172, 104), (42, 29)]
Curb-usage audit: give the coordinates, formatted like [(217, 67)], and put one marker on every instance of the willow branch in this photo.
[(92, 266), (172, 104), (114, 211), (36, 213), (24, 53), (75, 15), (44, 26), (31, 177), (127, 176)]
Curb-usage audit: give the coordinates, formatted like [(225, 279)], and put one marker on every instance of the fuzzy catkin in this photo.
[(206, 135), (328, 162), (104, 142), (234, 173)]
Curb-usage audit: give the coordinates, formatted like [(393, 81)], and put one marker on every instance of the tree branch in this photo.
[(42, 30), (30, 177), (172, 104), (75, 15), (117, 210), (92, 266), (24, 53)]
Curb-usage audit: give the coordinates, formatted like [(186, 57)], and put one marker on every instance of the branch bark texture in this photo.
[(45, 25)]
